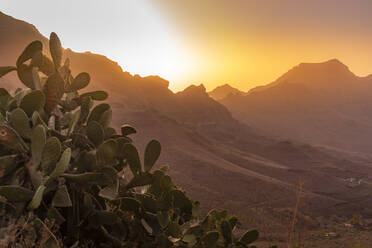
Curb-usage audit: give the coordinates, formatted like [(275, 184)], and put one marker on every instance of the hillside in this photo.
[(322, 104), (219, 161)]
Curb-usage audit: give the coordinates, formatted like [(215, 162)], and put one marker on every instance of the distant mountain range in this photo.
[(318, 103), (230, 160)]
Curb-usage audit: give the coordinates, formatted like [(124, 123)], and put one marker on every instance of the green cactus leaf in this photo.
[(15, 193), (97, 112), (174, 229), (36, 78), (110, 173), (50, 154), (162, 183), (80, 81), (67, 63), (19, 94), (37, 59), (163, 219), (86, 162), (109, 132), (61, 198), (29, 52), (37, 198), (6, 69), (233, 221), (189, 238), (106, 152), (148, 203), (95, 133), (226, 231), (4, 98), (38, 140), (66, 76), (73, 123), (106, 118), (53, 90), (122, 141), (36, 176), (142, 179), (129, 204), (54, 214), (11, 139), (47, 66), (37, 120), (99, 218), (210, 238), (249, 237), (218, 215), (127, 130), (69, 105), (86, 103), (33, 101), (196, 209), (26, 76), (98, 95), (152, 154), (132, 157), (7, 165), (55, 49), (20, 122), (62, 164), (181, 201), (87, 178)]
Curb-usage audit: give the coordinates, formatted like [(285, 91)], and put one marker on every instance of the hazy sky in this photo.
[(241, 42)]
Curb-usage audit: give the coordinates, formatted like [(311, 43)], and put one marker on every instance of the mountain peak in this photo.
[(226, 86), (195, 90), (223, 91), (329, 64), (330, 72), (334, 61)]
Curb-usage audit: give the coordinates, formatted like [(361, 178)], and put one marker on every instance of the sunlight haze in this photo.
[(243, 43)]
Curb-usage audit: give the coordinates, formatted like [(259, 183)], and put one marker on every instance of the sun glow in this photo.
[(244, 43), (131, 33)]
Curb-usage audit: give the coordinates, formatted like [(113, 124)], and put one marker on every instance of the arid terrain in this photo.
[(243, 152)]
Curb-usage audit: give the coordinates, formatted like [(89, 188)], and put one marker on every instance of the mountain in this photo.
[(318, 103), (223, 91), (215, 158)]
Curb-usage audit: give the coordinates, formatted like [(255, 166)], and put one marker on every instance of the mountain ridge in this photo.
[(317, 103)]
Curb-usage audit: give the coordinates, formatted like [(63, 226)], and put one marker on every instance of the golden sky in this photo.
[(252, 42), (241, 42)]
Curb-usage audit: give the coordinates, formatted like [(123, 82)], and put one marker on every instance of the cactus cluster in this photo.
[(61, 162)]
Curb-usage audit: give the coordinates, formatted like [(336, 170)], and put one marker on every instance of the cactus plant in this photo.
[(61, 162)]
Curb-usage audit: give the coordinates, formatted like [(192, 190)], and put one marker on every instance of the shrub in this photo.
[(72, 181)]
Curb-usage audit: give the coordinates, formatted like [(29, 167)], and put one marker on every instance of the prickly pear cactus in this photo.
[(62, 163)]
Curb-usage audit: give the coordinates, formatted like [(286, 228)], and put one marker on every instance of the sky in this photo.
[(245, 43)]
